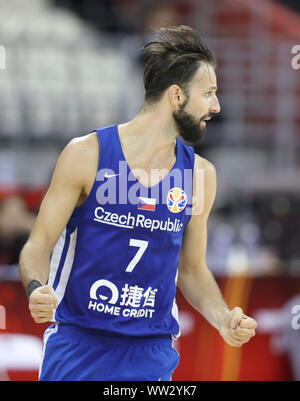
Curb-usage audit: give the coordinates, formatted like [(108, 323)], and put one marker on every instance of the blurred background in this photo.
[(75, 65)]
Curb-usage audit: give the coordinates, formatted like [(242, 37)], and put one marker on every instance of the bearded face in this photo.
[(190, 128)]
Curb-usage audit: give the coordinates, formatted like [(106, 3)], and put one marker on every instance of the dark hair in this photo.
[(174, 59)]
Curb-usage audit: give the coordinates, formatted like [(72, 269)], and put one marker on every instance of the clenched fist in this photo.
[(42, 304), (237, 328)]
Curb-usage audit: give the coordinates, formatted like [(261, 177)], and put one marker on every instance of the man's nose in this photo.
[(215, 107)]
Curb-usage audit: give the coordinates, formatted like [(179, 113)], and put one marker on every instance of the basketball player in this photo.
[(113, 237)]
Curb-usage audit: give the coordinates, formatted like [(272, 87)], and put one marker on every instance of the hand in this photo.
[(42, 304), (237, 328)]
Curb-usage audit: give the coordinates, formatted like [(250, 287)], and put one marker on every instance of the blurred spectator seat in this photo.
[(19, 352)]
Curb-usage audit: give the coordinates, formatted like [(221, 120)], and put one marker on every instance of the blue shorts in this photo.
[(72, 353)]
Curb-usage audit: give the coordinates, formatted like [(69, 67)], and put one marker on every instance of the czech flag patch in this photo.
[(147, 204)]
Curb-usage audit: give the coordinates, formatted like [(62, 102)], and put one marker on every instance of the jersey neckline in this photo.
[(116, 127)]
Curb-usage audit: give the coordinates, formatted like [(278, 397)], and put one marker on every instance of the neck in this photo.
[(152, 131)]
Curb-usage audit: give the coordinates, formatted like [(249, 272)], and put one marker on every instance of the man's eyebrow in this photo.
[(212, 87)]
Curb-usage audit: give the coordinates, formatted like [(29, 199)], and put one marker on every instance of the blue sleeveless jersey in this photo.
[(114, 267)]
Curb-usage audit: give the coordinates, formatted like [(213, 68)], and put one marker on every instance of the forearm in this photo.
[(34, 263), (201, 290)]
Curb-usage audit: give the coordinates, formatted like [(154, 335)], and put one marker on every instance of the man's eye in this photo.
[(208, 93)]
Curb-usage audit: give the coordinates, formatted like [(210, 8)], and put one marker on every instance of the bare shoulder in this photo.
[(83, 151), (205, 183), (78, 161), (204, 173), (86, 145), (204, 164)]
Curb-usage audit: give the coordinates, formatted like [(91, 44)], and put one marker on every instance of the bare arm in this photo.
[(68, 181), (195, 280)]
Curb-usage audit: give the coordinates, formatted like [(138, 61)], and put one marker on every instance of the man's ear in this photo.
[(176, 96)]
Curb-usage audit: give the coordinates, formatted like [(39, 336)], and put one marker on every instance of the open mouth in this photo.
[(204, 120)]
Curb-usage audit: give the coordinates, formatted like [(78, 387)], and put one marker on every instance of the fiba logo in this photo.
[(176, 200)]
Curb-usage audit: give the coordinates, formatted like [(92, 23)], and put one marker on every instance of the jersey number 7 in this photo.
[(142, 245)]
